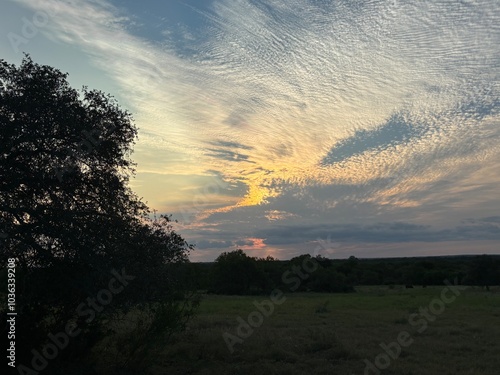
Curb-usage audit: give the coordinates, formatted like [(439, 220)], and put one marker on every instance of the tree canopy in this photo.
[(67, 215)]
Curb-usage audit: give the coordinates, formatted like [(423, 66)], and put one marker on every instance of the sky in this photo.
[(364, 128)]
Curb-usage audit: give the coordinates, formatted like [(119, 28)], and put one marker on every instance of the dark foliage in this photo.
[(237, 273), (68, 217)]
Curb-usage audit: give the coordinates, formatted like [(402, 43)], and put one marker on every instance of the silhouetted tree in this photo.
[(68, 217), (484, 271), (235, 272)]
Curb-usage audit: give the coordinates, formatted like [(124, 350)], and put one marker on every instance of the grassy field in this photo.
[(336, 333)]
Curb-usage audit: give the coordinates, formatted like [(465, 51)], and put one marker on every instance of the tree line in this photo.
[(237, 273)]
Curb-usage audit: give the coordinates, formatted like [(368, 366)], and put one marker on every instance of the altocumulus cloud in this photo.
[(371, 121), (382, 232)]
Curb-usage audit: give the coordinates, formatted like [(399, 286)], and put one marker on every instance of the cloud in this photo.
[(394, 132), (232, 145), (228, 155), (203, 244), (298, 88), (315, 113), (491, 219), (396, 232), (244, 242)]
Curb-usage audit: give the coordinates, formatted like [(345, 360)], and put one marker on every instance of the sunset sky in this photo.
[(371, 127)]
